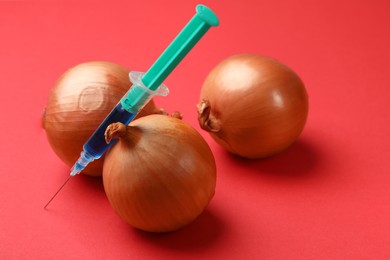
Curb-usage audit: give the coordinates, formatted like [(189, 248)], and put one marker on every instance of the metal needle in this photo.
[(57, 191)]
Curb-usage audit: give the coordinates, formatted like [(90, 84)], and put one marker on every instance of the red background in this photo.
[(327, 197)]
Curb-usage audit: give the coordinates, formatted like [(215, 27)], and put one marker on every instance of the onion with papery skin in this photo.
[(160, 175), (79, 102), (253, 106)]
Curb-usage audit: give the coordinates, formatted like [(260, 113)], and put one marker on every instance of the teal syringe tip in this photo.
[(189, 36), (207, 15)]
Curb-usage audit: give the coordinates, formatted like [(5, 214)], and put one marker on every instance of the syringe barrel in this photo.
[(125, 111)]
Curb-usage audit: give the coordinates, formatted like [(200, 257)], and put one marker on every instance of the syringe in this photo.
[(145, 86)]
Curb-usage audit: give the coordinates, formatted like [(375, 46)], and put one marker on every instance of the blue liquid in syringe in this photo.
[(96, 145)]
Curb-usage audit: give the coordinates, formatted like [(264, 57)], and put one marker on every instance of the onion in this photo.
[(79, 102), (253, 106), (161, 174)]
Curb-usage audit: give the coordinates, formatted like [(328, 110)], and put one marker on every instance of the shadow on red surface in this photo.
[(200, 234), (93, 182), (299, 161)]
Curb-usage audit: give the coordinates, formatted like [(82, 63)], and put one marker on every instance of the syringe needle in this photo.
[(57, 191)]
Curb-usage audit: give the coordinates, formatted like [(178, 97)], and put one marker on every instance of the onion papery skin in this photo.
[(79, 101), (253, 106), (161, 175)]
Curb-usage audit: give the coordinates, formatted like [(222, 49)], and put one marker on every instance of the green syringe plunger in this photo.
[(174, 53)]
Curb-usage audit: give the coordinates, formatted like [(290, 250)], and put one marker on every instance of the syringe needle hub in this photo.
[(57, 191)]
